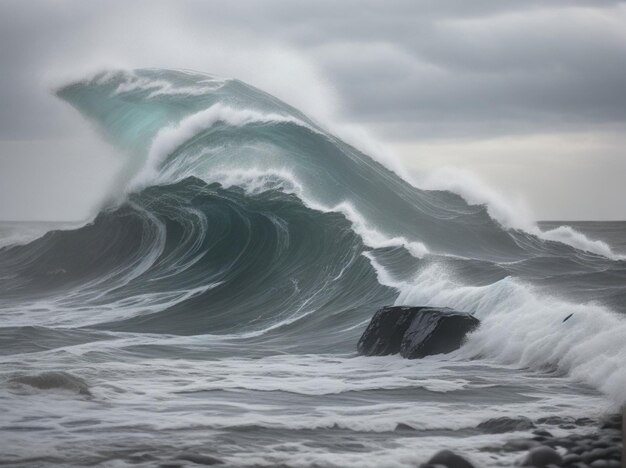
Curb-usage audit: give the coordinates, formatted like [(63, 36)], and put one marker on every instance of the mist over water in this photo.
[(213, 307)]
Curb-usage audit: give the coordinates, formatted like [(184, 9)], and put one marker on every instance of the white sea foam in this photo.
[(511, 214), (170, 138), (519, 326), (568, 235), (256, 180), (163, 87), (373, 237)]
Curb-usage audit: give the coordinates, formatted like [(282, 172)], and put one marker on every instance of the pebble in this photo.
[(448, 459), (600, 449), (542, 456)]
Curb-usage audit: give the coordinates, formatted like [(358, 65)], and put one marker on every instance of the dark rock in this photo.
[(584, 422), (415, 332), (613, 421), (571, 458), (600, 464), (385, 331), (517, 445), (542, 456), (449, 459), (199, 459), (436, 331), (613, 435), (53, 380), (614, 453), (504, 424), (404, 427), (542, 432), (556, 420), (564, 442), (613, 464), (596, 454), (601, 444)]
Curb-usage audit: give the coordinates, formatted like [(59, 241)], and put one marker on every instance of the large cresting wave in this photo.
[(245, 221)]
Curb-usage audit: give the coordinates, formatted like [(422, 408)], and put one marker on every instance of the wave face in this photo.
[(249, 231), (192, 258)]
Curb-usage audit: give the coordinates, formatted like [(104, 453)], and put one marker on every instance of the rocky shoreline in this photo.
[(415, 332), (601, 447)]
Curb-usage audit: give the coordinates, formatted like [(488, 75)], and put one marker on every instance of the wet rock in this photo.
[(385, 331), (53, 380), (564, 442), (614, 464), (404, 427), (595, 454), (518, 445), (199, 459), (556, 420), (448, 459), (504, 424), (542, 456), (584, 422), (415, 332), (613, 421), (571, 458), (605, 464), (436, 331), (601, 443), (614, 452)]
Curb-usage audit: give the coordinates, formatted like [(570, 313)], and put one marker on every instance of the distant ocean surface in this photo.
[(213, 307)]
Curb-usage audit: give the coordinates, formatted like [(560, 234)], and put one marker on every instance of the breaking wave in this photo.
[(244, 220)]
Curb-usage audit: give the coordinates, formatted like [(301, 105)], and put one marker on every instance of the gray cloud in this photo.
[(420, 65), (412, 70)]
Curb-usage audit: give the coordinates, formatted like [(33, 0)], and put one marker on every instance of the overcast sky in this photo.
[(528, 95)]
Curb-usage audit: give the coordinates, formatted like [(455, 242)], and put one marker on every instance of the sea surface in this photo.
[(212, 309)]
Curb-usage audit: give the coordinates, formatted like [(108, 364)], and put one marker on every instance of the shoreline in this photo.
[(602, 447)]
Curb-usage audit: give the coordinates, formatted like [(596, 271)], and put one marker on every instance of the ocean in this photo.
[(211, 309)]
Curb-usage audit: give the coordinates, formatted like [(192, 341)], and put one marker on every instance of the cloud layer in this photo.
[(413, 71)]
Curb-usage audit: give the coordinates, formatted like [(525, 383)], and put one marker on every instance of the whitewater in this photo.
[(213, 306)]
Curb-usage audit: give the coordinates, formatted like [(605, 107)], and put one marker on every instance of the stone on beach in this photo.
[(505, 424), (542, 456), (448, 459)]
